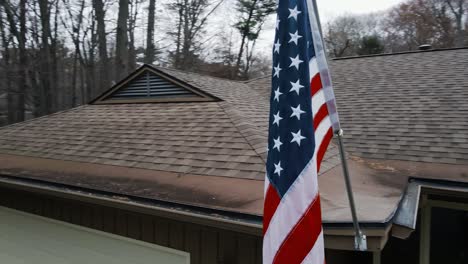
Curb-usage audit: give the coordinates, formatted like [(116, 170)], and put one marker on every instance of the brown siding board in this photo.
[(97, 218), (133, 226), (38, 208), (56, 209), (121, 223), (209, 250), (161, 232), (47, 209), (176, 237), (76, 216), (193, 243), (227, 248), (246, 249), (109, 219), (259, 249), (147, 229), (86, 215), (66, 212)]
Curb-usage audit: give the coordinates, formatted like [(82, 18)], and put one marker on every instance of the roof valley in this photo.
[(252, 134)]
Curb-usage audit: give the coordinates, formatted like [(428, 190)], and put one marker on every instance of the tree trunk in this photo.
[(179, 36), (104, 80), (23, 62), (150, 49), (6, 65), (121, 53), (131, 34), (46, 66)]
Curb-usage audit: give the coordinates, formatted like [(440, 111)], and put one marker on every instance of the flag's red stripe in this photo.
[(315, 84), (302, 237), (272, 201), (320, 115), (323, 147)]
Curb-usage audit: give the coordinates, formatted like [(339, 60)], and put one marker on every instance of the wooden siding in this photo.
[(205, 244)]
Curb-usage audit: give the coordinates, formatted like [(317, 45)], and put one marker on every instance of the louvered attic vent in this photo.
[(149, 85)]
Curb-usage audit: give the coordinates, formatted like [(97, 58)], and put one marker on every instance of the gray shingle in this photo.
[(410, 106)]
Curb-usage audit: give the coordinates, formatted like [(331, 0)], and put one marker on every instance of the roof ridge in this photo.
[(249, 131), (197, 73), (256, 78), (398, 53)]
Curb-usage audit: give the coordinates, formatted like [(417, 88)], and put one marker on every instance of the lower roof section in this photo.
[(236, 195), (336, 237)]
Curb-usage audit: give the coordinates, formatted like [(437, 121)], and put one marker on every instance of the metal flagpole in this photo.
[(360, 241)]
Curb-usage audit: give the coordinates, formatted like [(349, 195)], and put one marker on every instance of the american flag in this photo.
[(303, 118)]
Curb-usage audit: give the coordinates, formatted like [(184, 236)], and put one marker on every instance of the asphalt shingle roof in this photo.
[(397, 108), (409, 106)]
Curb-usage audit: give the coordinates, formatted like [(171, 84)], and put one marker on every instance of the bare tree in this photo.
[(342, 36), (132, 24), (104, 79), (252, 15), (192, 16), (417, 22), (121, 50), (76, 21), (150, 48), (46, 60), (459, 9), (16, 94)]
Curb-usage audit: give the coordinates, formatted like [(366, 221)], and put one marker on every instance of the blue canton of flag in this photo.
[(291, 141)]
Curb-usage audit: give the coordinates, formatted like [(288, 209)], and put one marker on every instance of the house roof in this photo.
[(406, 106), (403, 116)]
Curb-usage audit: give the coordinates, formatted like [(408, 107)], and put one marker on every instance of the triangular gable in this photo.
[(148, 84)]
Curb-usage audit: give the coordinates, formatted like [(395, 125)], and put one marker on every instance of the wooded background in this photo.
[(58, 54)]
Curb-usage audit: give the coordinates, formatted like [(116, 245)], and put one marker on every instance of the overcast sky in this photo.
[(328, 9), (332, 8)]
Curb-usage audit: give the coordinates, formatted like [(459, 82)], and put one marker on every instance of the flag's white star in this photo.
[(295, 62), (277, 46), (278, 168), (295, 86), (277, 94), (277, 119), (277, 23), (277, 71), (277, 143), (294, 12), (297, 137), (297, 112), (294, 37)]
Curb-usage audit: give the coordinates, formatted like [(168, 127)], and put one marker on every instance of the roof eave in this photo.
[(337, 236)]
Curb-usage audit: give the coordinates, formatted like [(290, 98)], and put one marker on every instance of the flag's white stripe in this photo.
[(313, 67), (294, 203), (317, 101), (320, 133), (316, 254), (292, 207)]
